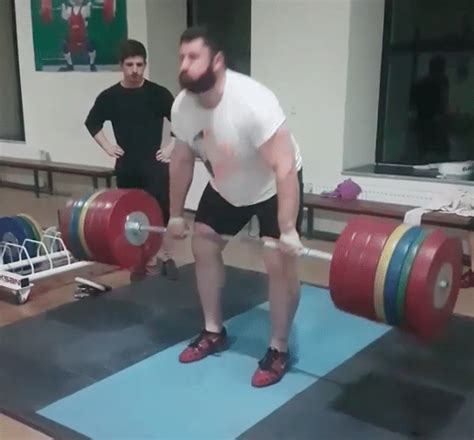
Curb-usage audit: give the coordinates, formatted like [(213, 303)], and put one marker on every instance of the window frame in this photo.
[(413, 48)]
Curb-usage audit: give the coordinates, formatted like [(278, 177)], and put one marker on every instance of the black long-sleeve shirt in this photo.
[(136, 115)]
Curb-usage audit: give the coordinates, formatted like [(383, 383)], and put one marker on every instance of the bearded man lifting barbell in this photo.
[(136, 107), (237, 127)]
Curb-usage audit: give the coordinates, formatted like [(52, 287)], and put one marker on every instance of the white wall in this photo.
[(300, 50), (166, 20), (363, 78), (322, 58)]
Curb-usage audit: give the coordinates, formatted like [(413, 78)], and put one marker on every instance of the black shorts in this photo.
[(227, 219), (154, 179)]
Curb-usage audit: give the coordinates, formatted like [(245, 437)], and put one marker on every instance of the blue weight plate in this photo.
[(392, 278), (11, 231), (74, 235), (31, 247)]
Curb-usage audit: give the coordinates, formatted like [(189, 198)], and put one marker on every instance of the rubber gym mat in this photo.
[(395, 385), (161, 398), (52, 355), (80, 346)]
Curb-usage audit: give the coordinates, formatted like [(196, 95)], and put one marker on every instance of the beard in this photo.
[(200, 85)]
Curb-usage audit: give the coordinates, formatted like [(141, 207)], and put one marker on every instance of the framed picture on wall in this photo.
[(78, 35)]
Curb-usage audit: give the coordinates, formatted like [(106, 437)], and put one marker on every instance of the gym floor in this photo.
[(106, 367)]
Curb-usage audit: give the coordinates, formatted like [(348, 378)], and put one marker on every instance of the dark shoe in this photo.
[(169, 269), (467, 279), (205, 344), (140, 273), (137, 276), (271, 368)]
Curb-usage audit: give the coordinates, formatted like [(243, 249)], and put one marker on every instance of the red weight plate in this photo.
[(429, 305), (95, 224), (361, 267), (339, 258), (104, 227), (126, 254), (341, 285), (81, 230)]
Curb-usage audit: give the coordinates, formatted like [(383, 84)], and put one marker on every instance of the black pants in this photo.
[(227, 219), (151, 176)]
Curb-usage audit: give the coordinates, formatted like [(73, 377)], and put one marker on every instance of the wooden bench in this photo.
[(384, 210), (95, 172)]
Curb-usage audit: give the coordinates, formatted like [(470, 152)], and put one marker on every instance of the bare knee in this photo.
[(206, 243), (279, 265)]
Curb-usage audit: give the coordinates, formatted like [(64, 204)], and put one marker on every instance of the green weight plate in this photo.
[(405, 274)]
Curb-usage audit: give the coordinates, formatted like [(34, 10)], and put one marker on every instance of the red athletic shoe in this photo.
[(205, 344), (271, 368)]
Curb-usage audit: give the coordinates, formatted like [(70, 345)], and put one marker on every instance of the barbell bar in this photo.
[(393, 273), (136, 231)]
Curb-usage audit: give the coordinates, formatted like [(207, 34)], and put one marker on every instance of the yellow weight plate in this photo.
[(82, 219), (38, 229), (382, 268)]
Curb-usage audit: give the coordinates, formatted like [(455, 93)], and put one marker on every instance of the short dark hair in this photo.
[(195, 32), (132, 48)]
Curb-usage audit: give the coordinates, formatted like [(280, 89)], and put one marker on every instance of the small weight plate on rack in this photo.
[(12, 231)]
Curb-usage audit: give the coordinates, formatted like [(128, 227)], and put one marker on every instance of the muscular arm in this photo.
[(181, 176), (279, 153)]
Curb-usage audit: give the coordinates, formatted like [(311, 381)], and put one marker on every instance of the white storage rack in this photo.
[(51, 258)]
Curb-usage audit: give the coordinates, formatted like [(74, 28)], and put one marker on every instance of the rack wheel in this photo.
[(22, 296)]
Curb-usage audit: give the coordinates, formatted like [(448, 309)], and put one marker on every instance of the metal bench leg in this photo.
[(37, 188), (471, 248), (95, 182), (50, 182), (310, 222)]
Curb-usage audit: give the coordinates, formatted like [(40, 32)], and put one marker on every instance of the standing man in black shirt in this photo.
[(136, 107)]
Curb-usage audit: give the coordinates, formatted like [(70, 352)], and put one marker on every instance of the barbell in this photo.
[(108, 10), (389, 272)]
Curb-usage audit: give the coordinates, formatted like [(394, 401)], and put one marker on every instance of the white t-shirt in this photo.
[(227, 138)]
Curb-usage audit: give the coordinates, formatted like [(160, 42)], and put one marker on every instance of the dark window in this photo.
[(11, 116), (230, 21), (426, 107)]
